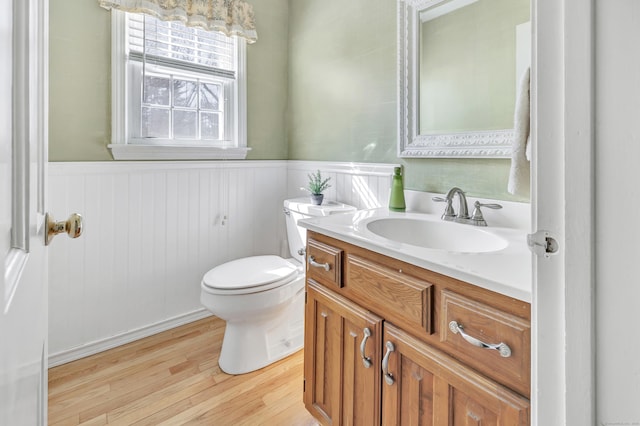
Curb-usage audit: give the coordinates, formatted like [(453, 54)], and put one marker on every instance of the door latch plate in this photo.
[(542, 243)]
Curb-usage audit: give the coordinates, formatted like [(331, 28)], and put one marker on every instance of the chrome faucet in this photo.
[(450, 214), (463, 209)]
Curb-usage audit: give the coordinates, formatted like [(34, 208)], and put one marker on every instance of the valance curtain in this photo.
[(231, 17)]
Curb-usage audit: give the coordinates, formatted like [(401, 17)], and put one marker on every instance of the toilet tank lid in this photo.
[(248, 272), (303, 205)]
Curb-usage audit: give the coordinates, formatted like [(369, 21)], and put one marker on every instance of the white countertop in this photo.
[(506, 271)]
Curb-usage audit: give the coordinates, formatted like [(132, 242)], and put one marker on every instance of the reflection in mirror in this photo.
[(461, 62)]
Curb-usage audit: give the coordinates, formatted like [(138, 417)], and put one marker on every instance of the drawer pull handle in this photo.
[(503, 348), (365, 359), (388, 377), (312, 262)]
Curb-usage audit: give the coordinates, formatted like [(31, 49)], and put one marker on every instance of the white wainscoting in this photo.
[(152, 229)]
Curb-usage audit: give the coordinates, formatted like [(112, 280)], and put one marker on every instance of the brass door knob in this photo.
[(72, 226)]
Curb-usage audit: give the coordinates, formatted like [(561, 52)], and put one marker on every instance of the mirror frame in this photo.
[(411, 144)]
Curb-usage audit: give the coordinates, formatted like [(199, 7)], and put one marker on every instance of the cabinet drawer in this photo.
[(324, 263), (402, 299), (485, 324)]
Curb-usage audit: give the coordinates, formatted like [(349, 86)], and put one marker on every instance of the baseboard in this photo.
[(98, 346)]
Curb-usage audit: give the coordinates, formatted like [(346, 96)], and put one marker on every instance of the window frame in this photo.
[(124, 147)]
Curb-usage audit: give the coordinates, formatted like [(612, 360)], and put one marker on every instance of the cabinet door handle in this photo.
[(312, 262), (388, 377), (365, 359), (503, 348)]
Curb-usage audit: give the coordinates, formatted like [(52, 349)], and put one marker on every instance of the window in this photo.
[(178, 92)]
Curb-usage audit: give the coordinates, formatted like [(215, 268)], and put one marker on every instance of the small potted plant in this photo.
[(317, 186)]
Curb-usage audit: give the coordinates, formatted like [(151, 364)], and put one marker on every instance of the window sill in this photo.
[(171, 152)]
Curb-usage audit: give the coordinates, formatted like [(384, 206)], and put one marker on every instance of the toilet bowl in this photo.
[(262, 297)]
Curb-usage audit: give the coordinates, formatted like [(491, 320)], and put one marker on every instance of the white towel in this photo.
[(520, 167)]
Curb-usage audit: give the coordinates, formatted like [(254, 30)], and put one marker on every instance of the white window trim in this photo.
[(120, 147)]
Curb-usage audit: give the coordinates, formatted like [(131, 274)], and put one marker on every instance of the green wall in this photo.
[(322, 86), (342, 80), (80, 81), (342, 97)]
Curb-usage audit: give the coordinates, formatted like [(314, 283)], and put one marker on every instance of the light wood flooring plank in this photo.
[(173, 378)]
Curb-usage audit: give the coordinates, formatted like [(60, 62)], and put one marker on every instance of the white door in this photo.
[(562, 199), (23, 277)]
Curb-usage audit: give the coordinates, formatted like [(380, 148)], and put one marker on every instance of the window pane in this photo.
[(174, 41), (209, 96), (157, 90), (184, 124), (210, 125), (157, 37), (179, 100), (156, 47), (184, 42), (215, 50), (155, 123), (185, 93)]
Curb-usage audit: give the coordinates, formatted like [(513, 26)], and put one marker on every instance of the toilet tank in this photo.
[(300, 208)]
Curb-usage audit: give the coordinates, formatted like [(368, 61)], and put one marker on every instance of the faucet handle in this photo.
[(494, 206), (476, 217), (449, 213)]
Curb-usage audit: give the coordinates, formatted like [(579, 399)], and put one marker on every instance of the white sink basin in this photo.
[(438, 235)]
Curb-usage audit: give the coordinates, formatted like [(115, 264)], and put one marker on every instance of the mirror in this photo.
[(460, 63)]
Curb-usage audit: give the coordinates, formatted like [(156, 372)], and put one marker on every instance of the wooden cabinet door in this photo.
[(339, 388), (424, 386)]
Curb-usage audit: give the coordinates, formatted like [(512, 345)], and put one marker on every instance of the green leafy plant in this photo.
[(317, 185)]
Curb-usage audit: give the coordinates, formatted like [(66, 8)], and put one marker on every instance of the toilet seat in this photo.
[(250, 275)]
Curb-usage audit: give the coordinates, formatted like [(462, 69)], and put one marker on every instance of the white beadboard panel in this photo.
[(363, 185), (66, 264), (151, 231)]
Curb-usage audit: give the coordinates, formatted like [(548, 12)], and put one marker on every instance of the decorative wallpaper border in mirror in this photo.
[(467, 144)]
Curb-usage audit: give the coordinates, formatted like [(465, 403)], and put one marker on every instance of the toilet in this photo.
[(262, 297)]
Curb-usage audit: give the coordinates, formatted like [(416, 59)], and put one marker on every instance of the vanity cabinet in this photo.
[(342, 386), (384, 344)]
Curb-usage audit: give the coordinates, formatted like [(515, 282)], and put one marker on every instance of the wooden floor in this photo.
[(173, 378)]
